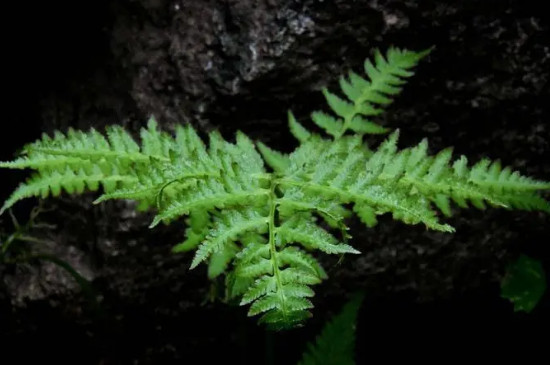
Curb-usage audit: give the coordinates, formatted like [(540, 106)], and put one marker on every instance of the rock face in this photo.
[(240, 64)]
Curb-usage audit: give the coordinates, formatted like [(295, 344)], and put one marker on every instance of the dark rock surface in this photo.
[(240, 64)]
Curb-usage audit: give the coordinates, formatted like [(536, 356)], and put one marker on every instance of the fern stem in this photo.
[(180, 179), (272, 246), (348, 196), (98, 154), (347, 121)]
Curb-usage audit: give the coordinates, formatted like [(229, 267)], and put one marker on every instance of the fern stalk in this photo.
[(273, 249)]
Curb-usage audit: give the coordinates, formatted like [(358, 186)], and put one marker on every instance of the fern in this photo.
[(366, 98), (262, 226), (524, 283), (336, 343)]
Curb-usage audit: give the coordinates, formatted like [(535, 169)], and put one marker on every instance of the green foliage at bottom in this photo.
[(524, 283), (336, 343)]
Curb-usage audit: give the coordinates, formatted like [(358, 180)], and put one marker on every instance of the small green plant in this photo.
[(20, 247), (335, 345), (524, 283), (258, 226), (14, 246)]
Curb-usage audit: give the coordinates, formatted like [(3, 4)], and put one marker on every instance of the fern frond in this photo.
[(91, 145), (54, 182), (491, 175), (207, 196), (241, 172), (441, 181), (366, 98), (159, 179), (366, 214), (220, 260), (155, 142), (405, 182), (297, 200), (283, 272), (226, 229), (336, 343), (80, 160), (41, 161), (276, 160), (348, 175), (297, 130), (282, 300), (304, 231), (198, 226), (294, 257)]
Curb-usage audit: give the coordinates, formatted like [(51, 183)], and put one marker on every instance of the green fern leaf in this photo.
[(367, 98), (312, 236), (366, 214), (343, 179), (336, 343), (363, 126), (198, 227), (524, 283), (294, 257), (297, 130), (330, 124), (276, 160), (220, 260), (341, 107), (208, 196), (54, 182), (226, 229)]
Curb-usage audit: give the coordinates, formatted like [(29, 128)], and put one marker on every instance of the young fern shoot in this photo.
[(261, 228)]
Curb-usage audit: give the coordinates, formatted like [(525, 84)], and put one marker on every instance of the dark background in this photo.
[(240, 65)]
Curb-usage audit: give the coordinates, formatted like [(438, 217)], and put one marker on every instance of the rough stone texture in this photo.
[(240, 64)]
